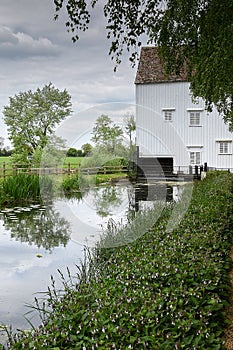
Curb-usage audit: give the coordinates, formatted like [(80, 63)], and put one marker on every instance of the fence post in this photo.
[(15, 168), (68, 168), (4, 170)]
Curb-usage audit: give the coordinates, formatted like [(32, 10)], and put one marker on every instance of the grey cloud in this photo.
[(35, 50), (23, 45), (6, 36)]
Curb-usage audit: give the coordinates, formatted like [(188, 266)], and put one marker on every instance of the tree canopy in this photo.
[(32, 116), (197, 33), (106, 134), (130, 127)]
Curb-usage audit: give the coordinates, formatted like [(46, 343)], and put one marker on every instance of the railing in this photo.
[(103, 170), (196, 169), (9, 170)]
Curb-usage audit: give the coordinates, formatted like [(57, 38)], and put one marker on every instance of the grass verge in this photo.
[(164, 291)]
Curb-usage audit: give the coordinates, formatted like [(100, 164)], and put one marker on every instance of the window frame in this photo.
[(224, 147), (195, 117), (194, 160), (169, 110)]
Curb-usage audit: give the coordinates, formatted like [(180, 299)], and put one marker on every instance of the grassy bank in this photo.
[(164, 291)]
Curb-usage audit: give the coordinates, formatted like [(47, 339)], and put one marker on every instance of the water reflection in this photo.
[(152, 193), (43, 227), (108, 200), (53, 233)]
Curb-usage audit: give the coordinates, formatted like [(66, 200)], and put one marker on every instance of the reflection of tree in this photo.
[(105, 199), (44, 228)]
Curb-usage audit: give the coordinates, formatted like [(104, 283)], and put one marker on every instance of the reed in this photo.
[(23, 188)]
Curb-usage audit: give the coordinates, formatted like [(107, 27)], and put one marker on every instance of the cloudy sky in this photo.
[(36, 50)]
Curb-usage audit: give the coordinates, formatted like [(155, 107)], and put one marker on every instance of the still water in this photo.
[(38, 240)]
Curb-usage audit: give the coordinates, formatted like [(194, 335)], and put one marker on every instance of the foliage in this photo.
[(72, 152), (130, 127), (70, 183), (98, 158), (5, 152), (111, 178), (106, 134), (53, 153), (32, 116), (195, 33), (23, 188), (87, 149), (167, 290), (21, 159)]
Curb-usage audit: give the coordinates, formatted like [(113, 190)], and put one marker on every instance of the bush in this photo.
[(70, 183)]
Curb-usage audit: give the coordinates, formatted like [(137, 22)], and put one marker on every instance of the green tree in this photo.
[(130, 127), (195, 33), (86, 149), (72, 152), (31, 117), (80, 153), (106, 134), (53, 153)]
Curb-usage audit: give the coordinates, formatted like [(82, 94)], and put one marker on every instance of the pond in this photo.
[(38, 240)]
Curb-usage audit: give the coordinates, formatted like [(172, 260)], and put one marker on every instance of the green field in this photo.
[(74, 161), (4, 160)]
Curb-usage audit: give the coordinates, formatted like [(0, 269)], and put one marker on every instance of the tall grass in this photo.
[(23, 188)]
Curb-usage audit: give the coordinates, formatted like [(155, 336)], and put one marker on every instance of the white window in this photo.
[(194, 118), (168, 114), (225, 147), (195, 158)]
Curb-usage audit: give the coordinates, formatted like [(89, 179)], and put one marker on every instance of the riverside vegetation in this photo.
[(24, 188), (166, 290)]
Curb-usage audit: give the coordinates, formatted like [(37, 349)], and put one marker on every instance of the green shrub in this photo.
[(70, 183)]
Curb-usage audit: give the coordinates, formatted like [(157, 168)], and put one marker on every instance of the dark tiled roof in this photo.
[(150, 68)]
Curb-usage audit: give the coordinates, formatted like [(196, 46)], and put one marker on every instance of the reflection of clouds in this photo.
[(22, 274), (85, 218)]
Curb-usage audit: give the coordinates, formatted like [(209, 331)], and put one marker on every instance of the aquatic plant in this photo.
[(24, 187), (70, 183), (166, 290)]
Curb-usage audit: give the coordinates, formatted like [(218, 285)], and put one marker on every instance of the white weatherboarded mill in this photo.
[(173, 129)]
